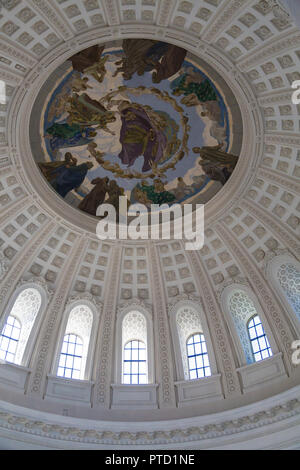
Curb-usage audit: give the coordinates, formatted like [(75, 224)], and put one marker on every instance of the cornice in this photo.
[(43, 428), (50, 12), (287, 182), (285, 41)]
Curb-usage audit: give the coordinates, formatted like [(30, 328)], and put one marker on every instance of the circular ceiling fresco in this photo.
[(141, 119)]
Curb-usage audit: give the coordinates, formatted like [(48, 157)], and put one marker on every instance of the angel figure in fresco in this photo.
[(197, 90), (98, 70), (85, 111), (80, 84), (140, 55), (141, 134), (216, 155), (170, 63), (84, 59), (65, 134), (92, 201), (49, 169), (67, 179)]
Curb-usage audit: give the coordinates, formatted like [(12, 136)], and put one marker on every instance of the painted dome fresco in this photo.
[(141, 118)]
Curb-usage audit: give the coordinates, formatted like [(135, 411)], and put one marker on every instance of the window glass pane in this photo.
[(70, 357), (9, 339), (135, 363), (259, 342), (198, 361)]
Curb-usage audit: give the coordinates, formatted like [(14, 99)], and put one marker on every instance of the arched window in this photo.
[(249, 328), (135, 363), (70, 357), (134, 349), (260, 345), (74, 349), (194, 353), (9, 339), (24, 310), (289, 279), (197, 355)]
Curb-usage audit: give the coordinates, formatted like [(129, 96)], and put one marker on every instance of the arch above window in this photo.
[(134, 323), (134, 349), (187, 320), (240, 305), (24, 306), (75, 342), (283, 272)]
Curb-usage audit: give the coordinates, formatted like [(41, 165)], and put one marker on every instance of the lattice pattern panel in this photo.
[(254, 236), (53, 255), (17, 233), (92, 273), (284, 159), (178, 277), (253, 29), (134, 281)]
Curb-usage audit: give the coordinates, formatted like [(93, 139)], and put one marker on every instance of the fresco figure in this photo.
[(63, 135), (203, 89), (141, 134), (85, 111), (70, 178), (216, 173), (98, 70), (216, 155), (170, 64), (155, 193), (92, 201), (49, 169), (139, 55), (86, 58)]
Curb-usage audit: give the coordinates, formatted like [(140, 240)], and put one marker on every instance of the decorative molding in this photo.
[(14, 208), (40, 281), (227, 12), (276, 97), (106, 342), (112, 13), (286, 41), (54, 17), (287, 182), (182, 298), (134, 303), (15, 52), (55, 308), (85, 296), (215, 321), (3, 266), (286, 237), (165, 11), (235, 281), (164, 369), (269, 304), (16, 270), (271, 255), (33, 426), (283, 139)]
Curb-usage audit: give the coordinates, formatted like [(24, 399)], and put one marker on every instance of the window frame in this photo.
[(178, 352), (29, 352), (10, 338), (135, 306), (225, 307), (201, 354), (138, 361), (257, 338), (96, 312)]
